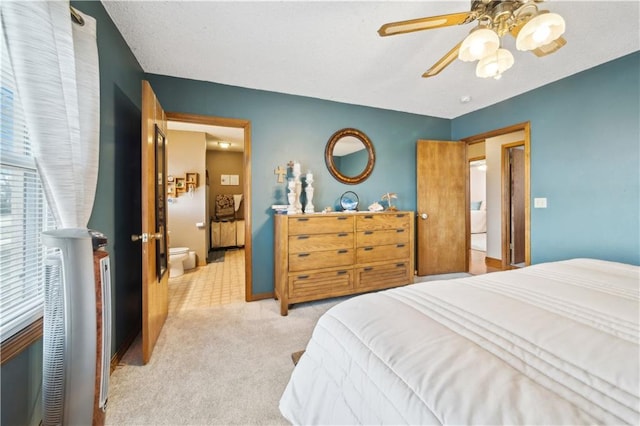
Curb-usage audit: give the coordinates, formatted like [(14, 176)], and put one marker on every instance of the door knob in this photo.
[(144, 237), (423, 216)]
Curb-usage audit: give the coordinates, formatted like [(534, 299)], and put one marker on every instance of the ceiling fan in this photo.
[(538, 31)]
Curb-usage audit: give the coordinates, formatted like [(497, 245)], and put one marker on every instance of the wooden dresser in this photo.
[(318, 256)]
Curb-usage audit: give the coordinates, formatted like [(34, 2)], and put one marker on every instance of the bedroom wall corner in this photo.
[(584, 159)]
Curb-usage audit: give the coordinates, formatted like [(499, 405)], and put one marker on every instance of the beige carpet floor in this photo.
[(225, 365), (220, 365)]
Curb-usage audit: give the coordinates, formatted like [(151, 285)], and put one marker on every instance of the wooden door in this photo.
[(517, 205), (442, 226), (155, 280)]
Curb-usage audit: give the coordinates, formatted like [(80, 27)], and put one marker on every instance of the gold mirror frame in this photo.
[(328, 156)]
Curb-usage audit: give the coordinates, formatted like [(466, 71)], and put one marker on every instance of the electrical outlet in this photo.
[(540, 203)]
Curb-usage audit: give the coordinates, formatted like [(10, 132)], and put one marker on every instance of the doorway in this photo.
[(513, 205), (245, 127), (504, 223), (477, 209)]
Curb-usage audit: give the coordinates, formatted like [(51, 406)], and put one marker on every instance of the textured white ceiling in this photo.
[(331, 49)]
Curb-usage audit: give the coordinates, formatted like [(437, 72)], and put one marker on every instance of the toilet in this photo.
[(177, 256)]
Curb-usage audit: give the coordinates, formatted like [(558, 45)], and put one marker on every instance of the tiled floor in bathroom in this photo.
[(214, 284)]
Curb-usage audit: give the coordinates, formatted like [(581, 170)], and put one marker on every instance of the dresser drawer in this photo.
[(320, 242), (306, 261), (321, 284), (369, 254), (382, 276), (320, 225), (382, 237), (383, 221)]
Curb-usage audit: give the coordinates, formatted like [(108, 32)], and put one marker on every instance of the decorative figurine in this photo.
[(291, 196), (388, 197), (309, 191), (298, 186), (376, 207)]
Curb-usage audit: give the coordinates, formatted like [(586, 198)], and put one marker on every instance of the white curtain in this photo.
[(55, 64)]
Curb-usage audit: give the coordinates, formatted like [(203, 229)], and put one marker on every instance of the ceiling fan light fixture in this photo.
[(495, 64), (479, 43), (540, 31)]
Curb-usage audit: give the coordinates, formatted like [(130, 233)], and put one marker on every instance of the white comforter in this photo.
[(554, 343), (478, 220)]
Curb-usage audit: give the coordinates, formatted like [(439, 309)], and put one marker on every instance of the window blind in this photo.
[(23, 215)]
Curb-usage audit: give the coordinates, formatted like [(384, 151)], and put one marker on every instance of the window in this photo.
[(23, 216)]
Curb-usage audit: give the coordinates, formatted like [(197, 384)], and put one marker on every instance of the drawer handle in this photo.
[(342, 251), (368, 216), (368, 269), (399, 265), (400, 245), (344, 234), (303, 277), (303, 254), (400, 215), (368, 248), (341, 218), (303, 219), (399, 231), (341, 272), (303, 237), (368, 232)]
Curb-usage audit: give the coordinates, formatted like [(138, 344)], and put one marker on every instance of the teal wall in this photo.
[(585, 159), (584, 148), (286, 127), (116, 210)]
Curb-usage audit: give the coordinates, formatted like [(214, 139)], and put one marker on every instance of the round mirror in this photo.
[(349, 156), (349, 201)]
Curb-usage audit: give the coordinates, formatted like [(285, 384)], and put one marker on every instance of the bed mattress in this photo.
[(554, 343)]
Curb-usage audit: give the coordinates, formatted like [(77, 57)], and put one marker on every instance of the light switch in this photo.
[(540, 203)]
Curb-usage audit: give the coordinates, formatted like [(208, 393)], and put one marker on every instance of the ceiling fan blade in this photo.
[(443, 62), (420, 24), (548, 49)]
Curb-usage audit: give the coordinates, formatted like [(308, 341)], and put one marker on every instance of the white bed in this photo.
[(554, 343), (478, 219)]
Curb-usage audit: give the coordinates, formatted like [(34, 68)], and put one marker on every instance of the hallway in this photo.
[(217, 283)]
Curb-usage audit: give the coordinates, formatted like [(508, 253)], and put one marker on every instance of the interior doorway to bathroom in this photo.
[(215, 132)]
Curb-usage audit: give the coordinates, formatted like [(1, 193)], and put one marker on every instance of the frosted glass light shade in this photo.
[(478, 44), (495, 64), (540, 31)]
